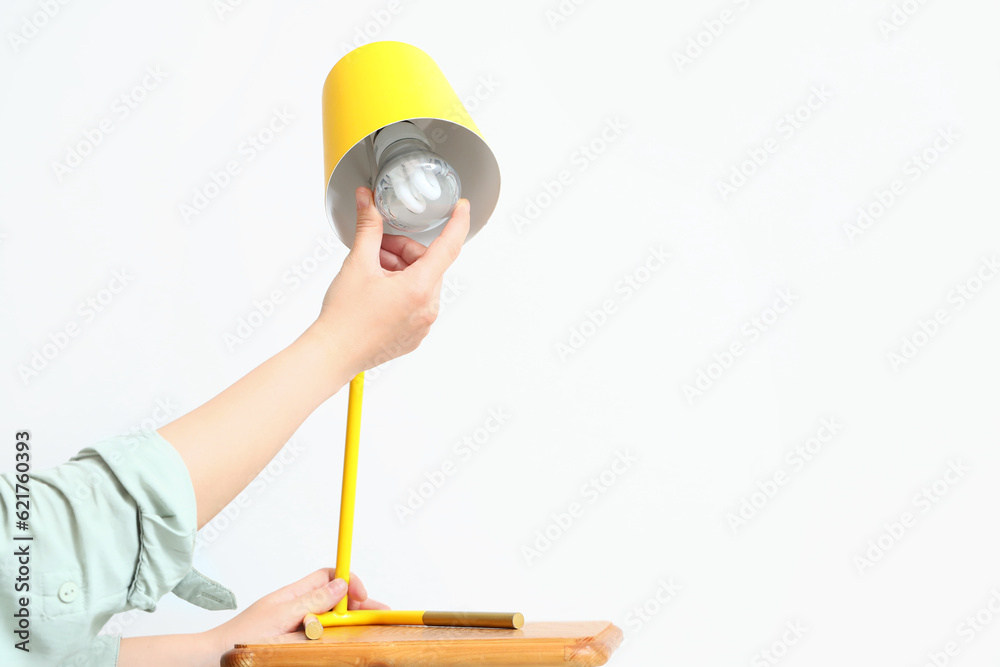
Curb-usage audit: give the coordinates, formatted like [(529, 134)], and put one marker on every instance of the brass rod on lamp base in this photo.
[(474, 619)]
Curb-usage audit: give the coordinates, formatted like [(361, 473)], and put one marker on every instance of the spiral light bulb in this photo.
[(416, 189)]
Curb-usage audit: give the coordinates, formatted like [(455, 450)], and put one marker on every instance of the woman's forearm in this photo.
[(227, 441), (195, 650)]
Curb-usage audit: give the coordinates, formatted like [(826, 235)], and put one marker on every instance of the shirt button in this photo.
[(68, 592)]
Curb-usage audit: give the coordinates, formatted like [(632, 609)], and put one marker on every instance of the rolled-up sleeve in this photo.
[(113, 529)]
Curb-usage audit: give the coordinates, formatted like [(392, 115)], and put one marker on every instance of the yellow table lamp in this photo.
[(392, 122)]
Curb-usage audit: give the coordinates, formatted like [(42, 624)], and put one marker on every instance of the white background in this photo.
[(520, 292)]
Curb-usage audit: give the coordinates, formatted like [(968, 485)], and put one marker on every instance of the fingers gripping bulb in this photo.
[(415, 189)]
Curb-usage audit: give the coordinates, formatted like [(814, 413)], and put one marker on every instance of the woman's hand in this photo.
[(278, 613), (387, 294), (282, 611)]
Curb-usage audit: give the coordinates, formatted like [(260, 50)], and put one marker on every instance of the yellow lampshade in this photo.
[(384, 83)]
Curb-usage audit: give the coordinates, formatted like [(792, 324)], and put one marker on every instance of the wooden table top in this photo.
[(570, 644)]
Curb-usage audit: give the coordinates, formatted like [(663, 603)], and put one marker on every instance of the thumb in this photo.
[(368, 235), (320, 600)]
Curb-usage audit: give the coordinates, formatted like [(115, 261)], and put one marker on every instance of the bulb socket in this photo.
[(390, 134)]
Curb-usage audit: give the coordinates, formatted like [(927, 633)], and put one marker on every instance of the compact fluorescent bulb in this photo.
[(415, 189)]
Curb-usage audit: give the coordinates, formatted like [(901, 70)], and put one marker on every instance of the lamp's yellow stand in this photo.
[(341, 616), (391, 638)]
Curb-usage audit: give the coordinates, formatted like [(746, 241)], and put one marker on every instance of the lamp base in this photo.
[(463, 619)]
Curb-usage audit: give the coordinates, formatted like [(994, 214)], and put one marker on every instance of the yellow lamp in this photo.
[(388, 113), (392, 122)]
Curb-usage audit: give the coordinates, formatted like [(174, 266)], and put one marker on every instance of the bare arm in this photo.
[(196, 650), (380, 306), (227, 441)]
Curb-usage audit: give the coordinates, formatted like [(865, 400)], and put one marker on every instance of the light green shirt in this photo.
[(112, 529)]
